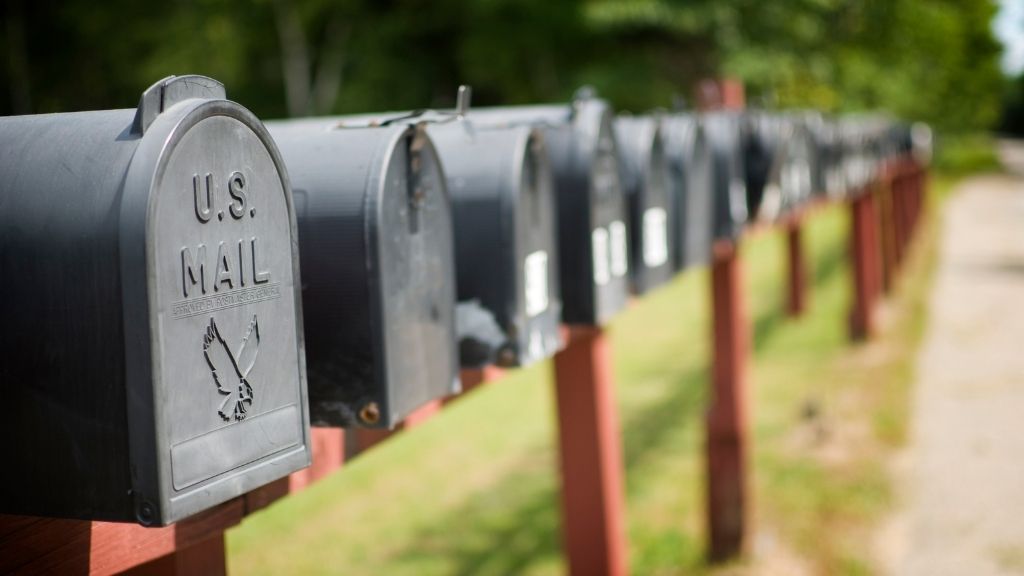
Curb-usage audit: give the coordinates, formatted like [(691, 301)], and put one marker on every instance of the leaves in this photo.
[(933, 60)]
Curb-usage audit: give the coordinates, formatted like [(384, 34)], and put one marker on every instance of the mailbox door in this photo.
[(413, 246), (725, 133), (538, 287), (609, 232), (210, 264)]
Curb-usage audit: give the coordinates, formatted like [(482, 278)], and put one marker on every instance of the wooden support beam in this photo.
[(865, 256), (726, 421), (796, 301), (593, 523)]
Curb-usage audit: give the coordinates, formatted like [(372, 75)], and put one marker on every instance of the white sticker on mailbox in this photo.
[(655, 237), (535, 270), (599, 241), (619, 255)]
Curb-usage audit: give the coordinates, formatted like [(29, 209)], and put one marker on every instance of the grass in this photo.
[(475, 490)]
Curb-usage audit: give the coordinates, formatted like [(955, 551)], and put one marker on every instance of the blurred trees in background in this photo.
[(933, 60)]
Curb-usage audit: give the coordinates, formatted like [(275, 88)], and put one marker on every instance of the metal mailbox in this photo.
[(375, 237), (729, 136), (647, 184), (691, 165), (151, 351), (506, 249), (592, 214), (779, 166), (827, 175)]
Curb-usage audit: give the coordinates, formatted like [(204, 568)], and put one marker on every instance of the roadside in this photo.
[(961, 475)]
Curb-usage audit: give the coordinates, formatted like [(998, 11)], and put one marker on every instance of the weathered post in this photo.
[(591, 455)]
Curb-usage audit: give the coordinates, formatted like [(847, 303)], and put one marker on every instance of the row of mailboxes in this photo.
[(164, 351)]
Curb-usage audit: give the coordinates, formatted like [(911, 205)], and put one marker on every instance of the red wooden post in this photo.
[(591, 456), (865, 253), (206, 557), (796, 302), (328, 456), (727, 438)]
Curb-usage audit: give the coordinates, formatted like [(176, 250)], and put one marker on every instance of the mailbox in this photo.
[(378, 281), (592, 214), (647, 185), (827, 174), (506, 251), (779, 166), (922, 142), (152, 352), (729, 136), (691, 170)]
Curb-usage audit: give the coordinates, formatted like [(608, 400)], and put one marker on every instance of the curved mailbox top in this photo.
[(506, 245), (153, 340), (691, 170), (647, 184), (592, 212), (378, 275), (729, 136)]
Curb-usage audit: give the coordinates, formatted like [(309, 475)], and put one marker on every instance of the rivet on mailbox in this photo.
[(151, 344)]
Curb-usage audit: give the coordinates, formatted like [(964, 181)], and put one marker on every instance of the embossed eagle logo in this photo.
[(230, 371)]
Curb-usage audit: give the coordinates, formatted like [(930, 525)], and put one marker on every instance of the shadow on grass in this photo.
[(514, 524), (825, 266)]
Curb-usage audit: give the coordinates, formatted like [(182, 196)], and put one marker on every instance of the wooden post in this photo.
[(328, 455), (206, 557), (727, 437), (591, 456), (865, 253), (796, 302)]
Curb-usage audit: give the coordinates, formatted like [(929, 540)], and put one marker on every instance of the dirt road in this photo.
[(962, 479)]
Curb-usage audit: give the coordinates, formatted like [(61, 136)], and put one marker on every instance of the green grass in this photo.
[(474, 490)]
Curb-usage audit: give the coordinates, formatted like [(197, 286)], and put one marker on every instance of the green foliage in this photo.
[(932, 60), (959, 154)]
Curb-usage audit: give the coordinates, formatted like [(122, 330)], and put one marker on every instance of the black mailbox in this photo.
[(729, 136), (592, 214), (378, 280), (827, 175), (691, 172), (779, 176), (506, 248), (860, 161), (151, 352), (647, 184)]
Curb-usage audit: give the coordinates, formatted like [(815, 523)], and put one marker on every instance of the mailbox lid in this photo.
[(692, 171), (646, 182), (502, 194), (212, 310), (379, 283)]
